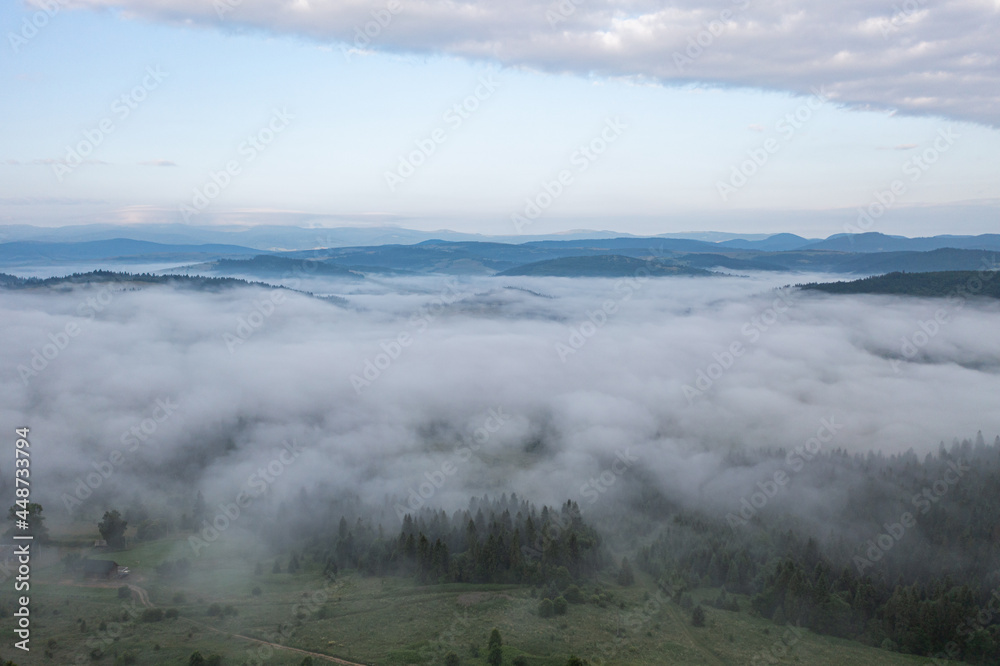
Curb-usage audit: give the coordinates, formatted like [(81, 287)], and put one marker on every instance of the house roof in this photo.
[(99, 566)]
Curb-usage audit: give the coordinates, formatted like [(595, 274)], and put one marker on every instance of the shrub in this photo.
[(124, 592), (152, 615), (698, 617), (546, 608), (560, 606), (573, 595)]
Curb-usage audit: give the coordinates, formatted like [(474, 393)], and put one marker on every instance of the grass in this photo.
[(388, 621)]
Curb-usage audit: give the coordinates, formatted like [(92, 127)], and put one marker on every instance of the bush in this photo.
[(256, 592), (152, 615), (560, 606), (126, 659), (698, 617), (171, 614), (124, 592), (573, 595), (451, 659), (521, 661), (213, 610), (546, 608)]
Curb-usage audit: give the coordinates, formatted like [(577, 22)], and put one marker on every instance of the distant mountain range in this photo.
[(862, 254), (605, 265), (277, 237), (125, 250)]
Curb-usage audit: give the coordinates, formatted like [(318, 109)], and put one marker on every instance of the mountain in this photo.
[(268, 237), (945, 259), (876, 242), (271, 266), (119, 249), (775, 243), (937, 284), (605, 265)]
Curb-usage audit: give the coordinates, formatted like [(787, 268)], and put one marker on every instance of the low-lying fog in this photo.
[(547, 379)]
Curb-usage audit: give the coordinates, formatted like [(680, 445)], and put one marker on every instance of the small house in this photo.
[(99, 569)]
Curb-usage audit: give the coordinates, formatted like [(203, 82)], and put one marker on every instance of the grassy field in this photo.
[(387, 621)]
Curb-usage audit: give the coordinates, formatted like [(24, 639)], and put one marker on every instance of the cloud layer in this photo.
[(448, 365), (916, 57)]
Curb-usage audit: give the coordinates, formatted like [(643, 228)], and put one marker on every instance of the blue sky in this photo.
[(348, 118)]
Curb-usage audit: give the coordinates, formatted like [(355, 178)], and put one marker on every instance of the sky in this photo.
[(522, 117)]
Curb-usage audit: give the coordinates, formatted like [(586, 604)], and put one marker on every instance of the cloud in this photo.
[(48, 201), (490, 348), (939, 60), (158, 163), (49, 161)]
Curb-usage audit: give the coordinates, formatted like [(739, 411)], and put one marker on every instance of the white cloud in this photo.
[(938, 59)]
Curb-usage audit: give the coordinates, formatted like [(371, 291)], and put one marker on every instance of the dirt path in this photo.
[(142, 595), (315, 655)]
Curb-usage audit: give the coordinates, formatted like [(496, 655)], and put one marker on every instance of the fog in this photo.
[(469, 387)]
